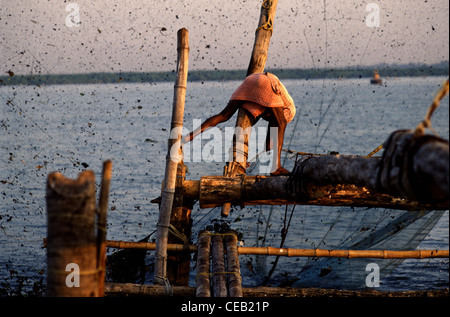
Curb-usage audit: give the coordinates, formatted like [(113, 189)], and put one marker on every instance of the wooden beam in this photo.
[(413, 174), (203, 288), (127, 289), (263, 35), (212, 191), (178, 264)]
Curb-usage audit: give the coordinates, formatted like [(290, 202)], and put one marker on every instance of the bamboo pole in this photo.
[(168, 191), (218, 267), (293, 252), (149, 246), (71, 242), (244, 122), (102, 210), (233, 267), (203, 287), (349, 254)]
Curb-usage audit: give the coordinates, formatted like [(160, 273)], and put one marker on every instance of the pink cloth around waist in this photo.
[(265, 89), (255, 109)]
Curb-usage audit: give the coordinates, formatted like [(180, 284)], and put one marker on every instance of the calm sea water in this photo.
[(66, 128)]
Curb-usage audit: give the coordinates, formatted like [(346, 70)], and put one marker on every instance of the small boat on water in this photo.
[(376, 80)]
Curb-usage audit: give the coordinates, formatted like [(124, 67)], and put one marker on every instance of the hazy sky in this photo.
[(140, 35)]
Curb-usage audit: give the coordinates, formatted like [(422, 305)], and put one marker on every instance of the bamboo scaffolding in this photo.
[(168, 191), (293, 252)]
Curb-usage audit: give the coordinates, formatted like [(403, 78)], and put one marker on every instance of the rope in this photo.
[(375, 151), (182, 237), (426, 123), (268, 26)]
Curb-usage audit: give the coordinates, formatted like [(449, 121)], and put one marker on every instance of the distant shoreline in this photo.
[(223, 75)]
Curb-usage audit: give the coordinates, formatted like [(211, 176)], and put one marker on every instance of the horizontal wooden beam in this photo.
[(413, 174), (214, 191), (126, 289)]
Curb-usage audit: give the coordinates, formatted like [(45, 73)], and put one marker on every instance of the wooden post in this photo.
[(262, 37), (203, 287), (178, 265), (101, 224), (218, 267), (234, 280), (168, 191), (71, 242), (244, 121)]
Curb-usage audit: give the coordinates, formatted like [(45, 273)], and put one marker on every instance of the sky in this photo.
[(82, 36)]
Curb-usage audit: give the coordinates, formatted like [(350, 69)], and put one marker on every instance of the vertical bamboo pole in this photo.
[(168, 191), (71, 242), (234, 280), (256, 65), (101, 224), (218, 267), (203, 287)]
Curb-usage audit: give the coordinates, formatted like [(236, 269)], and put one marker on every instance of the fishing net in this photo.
[(312, 227)]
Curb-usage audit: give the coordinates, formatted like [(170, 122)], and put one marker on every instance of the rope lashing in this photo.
[(268, 26)]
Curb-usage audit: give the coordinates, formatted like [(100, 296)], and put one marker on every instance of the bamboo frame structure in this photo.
[(168, 191)]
